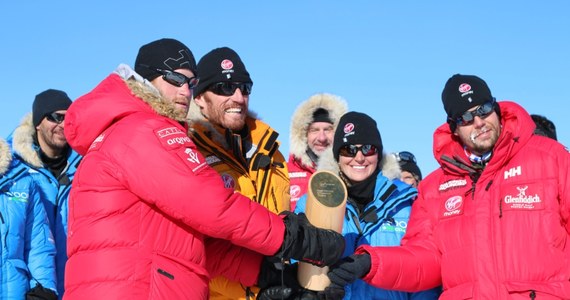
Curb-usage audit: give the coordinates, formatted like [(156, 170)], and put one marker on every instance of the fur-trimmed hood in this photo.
[(388, 164), (303, 117), (23, 142), (5, 157), (113, 99)]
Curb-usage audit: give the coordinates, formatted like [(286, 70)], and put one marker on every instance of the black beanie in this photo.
[(411, 167), (166, 54), (321, 115), (219, 65), (47, 102), (356, 128), (463, 92)]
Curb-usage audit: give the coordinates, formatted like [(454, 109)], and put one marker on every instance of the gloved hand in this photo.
[(308, 243), (275, 273), (348, 270), (275, 293), (279, 293), (40, 293)]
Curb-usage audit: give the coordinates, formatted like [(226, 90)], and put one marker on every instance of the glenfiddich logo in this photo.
[(522, 197)]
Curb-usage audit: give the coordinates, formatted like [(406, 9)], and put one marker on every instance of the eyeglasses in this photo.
[(352, 150), (178, 79), (229, 88), (405, 156), (482, 111), (55, 117)]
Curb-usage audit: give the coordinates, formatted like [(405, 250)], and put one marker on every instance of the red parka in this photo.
[(502, 233), (144, 199)]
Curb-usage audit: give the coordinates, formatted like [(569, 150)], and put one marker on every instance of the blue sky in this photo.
[(389, 59)]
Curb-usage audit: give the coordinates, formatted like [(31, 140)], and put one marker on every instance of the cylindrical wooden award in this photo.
[(326, 204)]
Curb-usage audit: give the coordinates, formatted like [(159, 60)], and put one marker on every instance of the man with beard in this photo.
[(240, 147), (40, 144), (148, 216), (493, 221), (312, 129)]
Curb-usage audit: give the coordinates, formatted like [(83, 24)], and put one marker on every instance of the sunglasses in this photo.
[(482, 112), (352, 150), (229, 88), (405, 156), (178, 79), (55, 117)]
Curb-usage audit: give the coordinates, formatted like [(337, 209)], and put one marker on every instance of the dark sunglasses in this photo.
[(55, 117), (229, 88), (352, 150), (405, 156), (482, 112), (178, 79)]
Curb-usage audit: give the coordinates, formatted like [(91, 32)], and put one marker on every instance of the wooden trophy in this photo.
[(326, 204)]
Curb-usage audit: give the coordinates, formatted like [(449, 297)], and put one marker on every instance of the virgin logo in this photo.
[(349, 127), (453, 203), (464, 87), (227, 64), (295, 190)]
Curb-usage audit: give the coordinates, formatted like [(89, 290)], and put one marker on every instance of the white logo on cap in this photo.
[(349, 127), (227, 64)]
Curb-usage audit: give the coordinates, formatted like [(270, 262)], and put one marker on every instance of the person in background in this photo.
[(27, 264), (237, 144), (144, 200), (411, 173), (544, 126), (311, 133), (39, 144), (493, 221), (378, 205)]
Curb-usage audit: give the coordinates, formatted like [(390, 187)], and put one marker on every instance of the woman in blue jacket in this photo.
[(27, 253), (378, 206)]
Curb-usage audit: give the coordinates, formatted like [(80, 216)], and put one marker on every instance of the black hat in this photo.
[(166, 54), (463, 92), (544, 126), (47, 102), (411, 167), (219, 65), (321, 115), (356, 128)]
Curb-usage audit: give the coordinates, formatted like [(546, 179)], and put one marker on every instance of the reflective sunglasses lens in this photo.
[(55, 118), (406, 156), (229, 88), (246, 88), (348, 151), (482, 111), (179, 80), (368, 150)]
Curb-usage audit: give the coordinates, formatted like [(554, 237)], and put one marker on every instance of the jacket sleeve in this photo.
[(564, 186), (412, 267), (39, 243), (166, 170), (233, 262)]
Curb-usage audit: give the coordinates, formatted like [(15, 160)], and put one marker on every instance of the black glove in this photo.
[(275, 293), (274, 273), (40, 293), (348, 270), (305, 242)]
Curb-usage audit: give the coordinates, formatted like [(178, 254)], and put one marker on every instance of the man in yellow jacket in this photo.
[(241, 148)]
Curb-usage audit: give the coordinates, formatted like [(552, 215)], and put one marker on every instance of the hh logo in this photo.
[(516, 171)]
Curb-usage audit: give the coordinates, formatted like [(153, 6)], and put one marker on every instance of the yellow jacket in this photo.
[(263, 178)]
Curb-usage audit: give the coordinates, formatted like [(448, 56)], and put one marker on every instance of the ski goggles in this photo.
[(352, 150), (177, 79), (482, 112), (405, 156), (55, 117), (226, 88)]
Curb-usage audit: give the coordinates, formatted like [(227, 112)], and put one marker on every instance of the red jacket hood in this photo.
[(517, 128)]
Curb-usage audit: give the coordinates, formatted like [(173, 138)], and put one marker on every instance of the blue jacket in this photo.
[(54, 191), (383, 223), (27, 246)]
